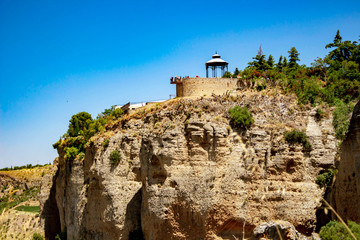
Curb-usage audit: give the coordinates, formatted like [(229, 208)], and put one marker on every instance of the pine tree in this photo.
[(236, 72), (293, 57), (260, 63), (337, 40), (285, 63), (270, 62), (279, 65), (344, 50)]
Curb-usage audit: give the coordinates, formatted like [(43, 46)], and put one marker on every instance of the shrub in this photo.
[(309, 90), (108, 111), (81, 155), (325, 179), (106, 143), (117, 113), (341, 120), (337, 231), (115, 157), (241, 117), (227, 75), (260, 84), (61, 236), (71, 153), (37, 236), (296, 136), (319, 114)]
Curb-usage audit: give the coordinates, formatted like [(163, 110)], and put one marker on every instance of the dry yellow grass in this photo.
[(33, 174)]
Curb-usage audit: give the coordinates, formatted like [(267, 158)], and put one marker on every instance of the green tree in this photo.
[(270, 62), (236, 72), (321, 67), (343, 50), (79, 123), (227, 75), (285, 63), (279, 65), (293, 57), (343, 71), (108, 111), (259, 63)]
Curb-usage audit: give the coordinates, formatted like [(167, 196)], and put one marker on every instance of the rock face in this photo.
[(346, 192), (185, 173)]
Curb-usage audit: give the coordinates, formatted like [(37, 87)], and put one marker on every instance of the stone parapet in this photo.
[(192, 87)]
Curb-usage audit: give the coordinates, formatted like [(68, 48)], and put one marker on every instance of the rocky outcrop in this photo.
[(346, 193), (185, 173), (280, 230)]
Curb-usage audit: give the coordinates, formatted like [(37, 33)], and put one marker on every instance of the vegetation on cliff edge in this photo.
[(81, 128), (335, 76)]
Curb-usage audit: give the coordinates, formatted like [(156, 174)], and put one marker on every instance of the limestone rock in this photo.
[(185, 173), (346, 192), (278, 230)]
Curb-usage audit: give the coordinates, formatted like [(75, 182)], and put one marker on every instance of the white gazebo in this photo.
[(214, 63)]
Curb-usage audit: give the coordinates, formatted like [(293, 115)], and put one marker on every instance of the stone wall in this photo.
[(205, 86)]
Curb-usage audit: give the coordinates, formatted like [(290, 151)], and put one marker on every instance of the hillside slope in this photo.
[(19, 201)]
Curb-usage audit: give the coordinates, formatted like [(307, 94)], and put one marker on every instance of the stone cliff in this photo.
[(185, 173), (346, 193)]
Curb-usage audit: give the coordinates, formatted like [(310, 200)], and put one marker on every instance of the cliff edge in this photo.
[(185, 172)]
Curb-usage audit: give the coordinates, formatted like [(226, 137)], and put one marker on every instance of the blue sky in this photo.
[(58, 58)]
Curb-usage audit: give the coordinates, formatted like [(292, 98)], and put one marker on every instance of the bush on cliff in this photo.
[(37, 236), (241, 117), (325, 179), (337, 231), (227, 75), (117, 113), (61, 236), (115, 157), (71, 152), (81, 128), (341, 117), (296, 136)]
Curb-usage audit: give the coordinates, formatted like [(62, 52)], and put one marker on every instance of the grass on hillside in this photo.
[(7, 202), (32, 174), (33, 209)]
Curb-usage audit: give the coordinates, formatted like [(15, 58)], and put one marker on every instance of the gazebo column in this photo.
[(207, 75)]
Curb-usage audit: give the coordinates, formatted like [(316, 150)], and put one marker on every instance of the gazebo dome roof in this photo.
[(216, 61)]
